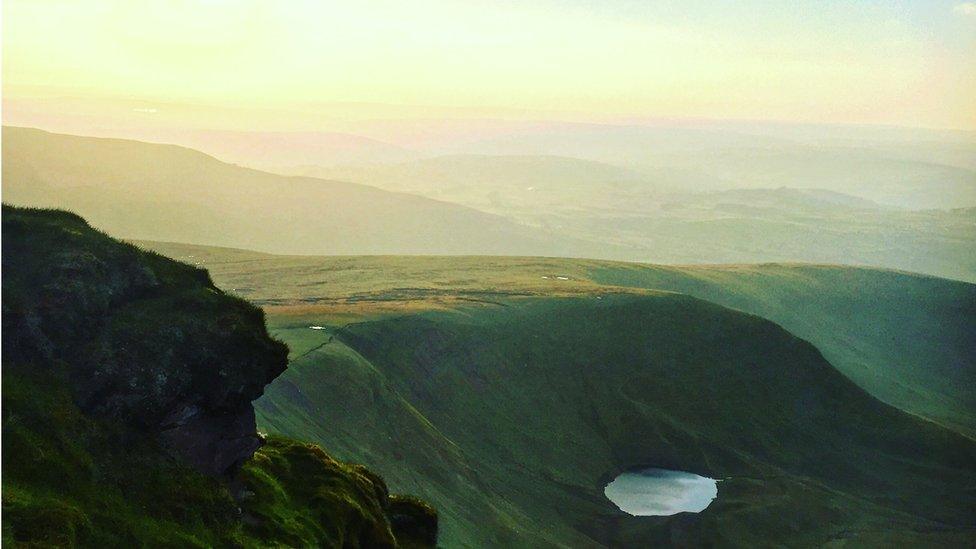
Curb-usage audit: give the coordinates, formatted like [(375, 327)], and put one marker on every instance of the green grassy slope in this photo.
[(332, 395), (543, 391), (73, 481), (100, 341), (909, 340), (547, 399)]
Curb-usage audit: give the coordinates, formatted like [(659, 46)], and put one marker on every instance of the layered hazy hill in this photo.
[(515, 388), (906, 168), (166, 192), (477, 204), (270, 148), (522, 186), (686, 213)]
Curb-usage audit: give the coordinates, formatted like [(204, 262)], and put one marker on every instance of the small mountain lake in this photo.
[(661, 492)]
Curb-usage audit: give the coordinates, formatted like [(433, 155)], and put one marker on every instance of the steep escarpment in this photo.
[(908, 339), (548, 399), (143, 340), (127, 416)]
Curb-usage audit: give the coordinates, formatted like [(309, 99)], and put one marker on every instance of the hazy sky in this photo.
[(895, 62)]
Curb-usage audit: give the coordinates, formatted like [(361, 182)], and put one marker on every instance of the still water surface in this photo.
[(661, 492)]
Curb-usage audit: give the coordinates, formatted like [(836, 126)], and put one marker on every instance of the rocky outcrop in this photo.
[(144, 340), (215, 443), (116, 359), (413, 519)]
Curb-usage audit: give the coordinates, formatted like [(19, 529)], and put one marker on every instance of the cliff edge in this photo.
[(127, 418)]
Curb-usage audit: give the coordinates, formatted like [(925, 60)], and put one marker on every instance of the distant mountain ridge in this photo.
[(474, 205), (167, 192), (695, 213), (263, 149)]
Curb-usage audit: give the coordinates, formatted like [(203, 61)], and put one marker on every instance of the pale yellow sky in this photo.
[(906, 63)]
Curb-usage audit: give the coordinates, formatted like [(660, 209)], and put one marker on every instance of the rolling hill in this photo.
[(485, 172), (549, 399), (684, 214), (165, 192), (906, 338), (262, 149), (904, 168), (545, 206)]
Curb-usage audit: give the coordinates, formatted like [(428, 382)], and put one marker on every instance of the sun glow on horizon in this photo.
[(903, 63)]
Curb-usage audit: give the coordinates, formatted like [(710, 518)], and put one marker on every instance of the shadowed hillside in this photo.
[(540, 379), (545, 400), (908, 339)]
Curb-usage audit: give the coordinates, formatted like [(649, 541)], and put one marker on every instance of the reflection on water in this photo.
[(660, 492)]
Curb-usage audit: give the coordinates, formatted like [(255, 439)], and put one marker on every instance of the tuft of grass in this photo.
[(296, 495)]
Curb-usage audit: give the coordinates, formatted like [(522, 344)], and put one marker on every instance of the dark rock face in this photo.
[(187, 366), (143, 339), (216, 444), (413, 519), (116, 359)]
